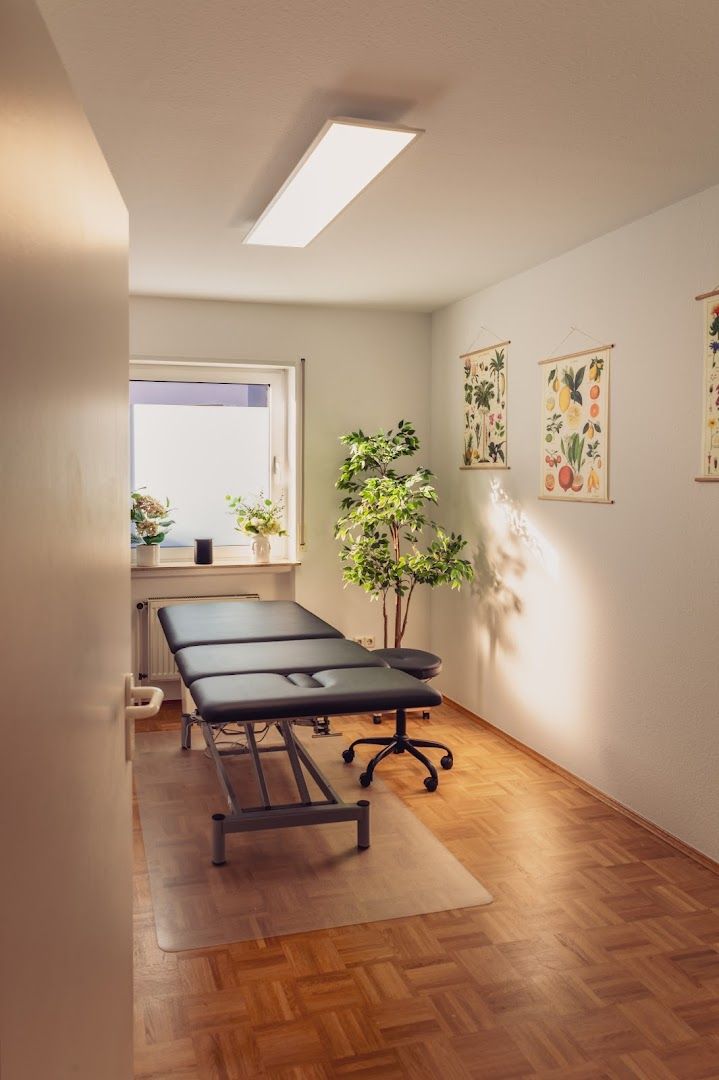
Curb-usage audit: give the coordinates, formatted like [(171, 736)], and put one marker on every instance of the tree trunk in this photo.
[(395, 536), (384, 618), (406, 611)]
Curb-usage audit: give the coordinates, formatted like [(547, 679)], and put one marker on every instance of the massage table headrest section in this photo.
[(275, 657), (228, 699), (240, 621)]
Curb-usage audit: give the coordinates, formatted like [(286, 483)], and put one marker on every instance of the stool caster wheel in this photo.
[(431, 782), (348, 755), (447, 761), (376, 719), (365, 779)]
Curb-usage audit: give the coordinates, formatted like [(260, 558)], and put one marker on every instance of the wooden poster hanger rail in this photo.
[(486, 348), (574, 355)]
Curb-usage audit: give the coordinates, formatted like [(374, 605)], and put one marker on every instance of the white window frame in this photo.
[(285, 389)]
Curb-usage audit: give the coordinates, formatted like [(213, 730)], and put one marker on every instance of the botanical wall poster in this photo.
[(575, 418), (485, 408), (710, 423)]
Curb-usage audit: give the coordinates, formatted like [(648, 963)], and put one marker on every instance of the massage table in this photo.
[(270, 662)]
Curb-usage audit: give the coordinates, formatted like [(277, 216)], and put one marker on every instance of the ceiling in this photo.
[(548, 122)]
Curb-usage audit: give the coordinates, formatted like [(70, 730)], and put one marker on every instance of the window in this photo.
[(201, 432)]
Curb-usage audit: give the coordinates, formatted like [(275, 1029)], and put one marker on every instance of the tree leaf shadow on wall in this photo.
[(510, 547), (497, 563)]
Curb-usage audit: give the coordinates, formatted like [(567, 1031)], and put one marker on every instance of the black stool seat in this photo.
[(423, 665), (416, 662)]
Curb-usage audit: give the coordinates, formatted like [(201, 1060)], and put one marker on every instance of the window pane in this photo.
[(194, 443)]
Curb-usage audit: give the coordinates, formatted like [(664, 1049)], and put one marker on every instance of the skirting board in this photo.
[(656, 830)]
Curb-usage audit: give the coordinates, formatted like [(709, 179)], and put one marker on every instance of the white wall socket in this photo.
[(366, 640)]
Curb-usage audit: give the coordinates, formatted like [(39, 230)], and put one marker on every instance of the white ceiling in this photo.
[(548, 122)]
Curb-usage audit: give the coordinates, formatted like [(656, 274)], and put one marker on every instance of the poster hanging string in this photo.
[(573, 330), (485, 330)]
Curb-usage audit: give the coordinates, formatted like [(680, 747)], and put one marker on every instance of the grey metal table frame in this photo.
[(320, 724), (306, 811)]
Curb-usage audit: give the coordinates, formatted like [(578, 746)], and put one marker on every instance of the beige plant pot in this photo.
[(148, 554)]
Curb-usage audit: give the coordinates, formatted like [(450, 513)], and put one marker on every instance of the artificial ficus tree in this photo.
[(390, 544)]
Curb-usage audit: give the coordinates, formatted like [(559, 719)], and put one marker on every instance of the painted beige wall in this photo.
[(365, 369), (65, 900), (600, 651)]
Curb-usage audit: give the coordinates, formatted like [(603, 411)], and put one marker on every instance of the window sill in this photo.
[(187, 568)]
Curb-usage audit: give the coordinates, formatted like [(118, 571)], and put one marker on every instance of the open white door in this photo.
[(65, 784)]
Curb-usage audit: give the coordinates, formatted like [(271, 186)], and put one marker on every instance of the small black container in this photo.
[(203, 552)]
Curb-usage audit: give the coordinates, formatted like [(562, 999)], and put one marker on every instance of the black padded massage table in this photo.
[(274, 662), (221, 624), (250, 620)]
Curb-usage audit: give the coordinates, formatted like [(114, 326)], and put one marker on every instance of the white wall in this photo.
[(65, 786), (365, 369), (600, 649)]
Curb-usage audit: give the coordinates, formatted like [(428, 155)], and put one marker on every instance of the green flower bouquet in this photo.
[(260, 518), (257, 517)]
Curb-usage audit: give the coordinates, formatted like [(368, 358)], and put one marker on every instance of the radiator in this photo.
[(159, 663)]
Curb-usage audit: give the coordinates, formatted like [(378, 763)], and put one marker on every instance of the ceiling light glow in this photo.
[(344, 158)]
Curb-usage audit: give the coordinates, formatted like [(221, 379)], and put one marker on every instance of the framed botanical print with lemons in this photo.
[(574, 462)]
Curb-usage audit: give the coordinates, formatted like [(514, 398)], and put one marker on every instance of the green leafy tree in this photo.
[(384, 521)]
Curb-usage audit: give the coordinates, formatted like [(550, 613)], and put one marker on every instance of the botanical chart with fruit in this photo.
[(485, 408), (575, 417), (710, 440)]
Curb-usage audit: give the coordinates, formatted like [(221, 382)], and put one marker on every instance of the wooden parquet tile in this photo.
[(598, 960)]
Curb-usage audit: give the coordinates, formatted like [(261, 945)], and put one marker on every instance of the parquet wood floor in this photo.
[(599, 957)]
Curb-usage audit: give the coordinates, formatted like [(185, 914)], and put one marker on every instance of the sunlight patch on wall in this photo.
[(520, 526), (544, 657)]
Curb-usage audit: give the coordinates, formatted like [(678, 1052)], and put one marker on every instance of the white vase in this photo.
[(148, 554), (261, 549)]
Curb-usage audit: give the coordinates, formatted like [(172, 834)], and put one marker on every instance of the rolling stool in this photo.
[(423, 666)]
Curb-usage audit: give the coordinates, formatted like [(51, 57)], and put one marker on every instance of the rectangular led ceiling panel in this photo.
[(344, 158)]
